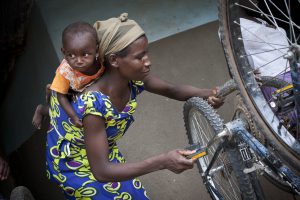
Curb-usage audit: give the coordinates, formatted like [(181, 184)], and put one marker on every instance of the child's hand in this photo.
[(77, 122)]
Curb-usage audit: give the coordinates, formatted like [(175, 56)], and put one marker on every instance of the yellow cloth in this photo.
[(115, 34)]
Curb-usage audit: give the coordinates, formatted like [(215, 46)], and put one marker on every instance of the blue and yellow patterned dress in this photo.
[(67, 162)]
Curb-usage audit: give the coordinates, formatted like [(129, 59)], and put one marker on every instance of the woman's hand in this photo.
[(213, 100), (176, 161)]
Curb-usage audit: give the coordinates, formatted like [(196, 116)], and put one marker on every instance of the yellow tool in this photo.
[(200, 151), (290, 86)]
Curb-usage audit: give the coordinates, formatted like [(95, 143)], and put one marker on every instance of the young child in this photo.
[(79, 68)]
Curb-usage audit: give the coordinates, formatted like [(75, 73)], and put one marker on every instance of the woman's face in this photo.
[(136, 64)]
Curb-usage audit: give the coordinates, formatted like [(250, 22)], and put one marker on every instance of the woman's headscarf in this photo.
[(115, 34)]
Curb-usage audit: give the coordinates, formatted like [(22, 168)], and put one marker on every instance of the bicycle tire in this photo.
[(232, 171), (240, 70), (274, 82), (268, 81)]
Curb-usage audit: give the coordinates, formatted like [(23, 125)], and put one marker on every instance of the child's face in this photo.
[(80, 51)]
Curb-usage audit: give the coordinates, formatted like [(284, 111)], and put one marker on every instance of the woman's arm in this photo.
[(103, 170), (180, 92)]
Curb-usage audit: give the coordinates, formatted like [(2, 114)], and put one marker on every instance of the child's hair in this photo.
[(79, 28)]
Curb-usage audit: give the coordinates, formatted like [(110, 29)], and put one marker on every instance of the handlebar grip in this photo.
[(227, 88)]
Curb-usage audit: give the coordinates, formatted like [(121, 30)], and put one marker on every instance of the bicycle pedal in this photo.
[(200, 151)]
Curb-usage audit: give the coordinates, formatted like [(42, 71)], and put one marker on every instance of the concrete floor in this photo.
[(193, 57)]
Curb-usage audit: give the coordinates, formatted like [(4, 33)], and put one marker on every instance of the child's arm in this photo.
[(61, 86), (64, 102)]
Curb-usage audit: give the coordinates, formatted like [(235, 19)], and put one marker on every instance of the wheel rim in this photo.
[(223, 178)]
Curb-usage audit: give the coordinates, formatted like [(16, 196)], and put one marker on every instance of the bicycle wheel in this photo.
[(227, 177), (282, 140)]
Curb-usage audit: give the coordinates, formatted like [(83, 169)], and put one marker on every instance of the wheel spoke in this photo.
[(266, 51), (283, 72), (278, 19), (263, 41), (203, 133), (269, 62), (290, 22), (272, 16), (230, 188), (268, 43), (288, 8), (273, 22)]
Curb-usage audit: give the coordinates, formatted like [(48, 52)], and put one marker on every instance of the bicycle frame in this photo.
[(237, 128), (294, 58)]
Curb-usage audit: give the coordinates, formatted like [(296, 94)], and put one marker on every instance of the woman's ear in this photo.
[(113, 60)]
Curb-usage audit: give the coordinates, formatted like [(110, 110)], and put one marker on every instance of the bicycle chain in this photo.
[(247, 116)]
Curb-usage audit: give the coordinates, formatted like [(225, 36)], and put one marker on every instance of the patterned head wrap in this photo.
[(115, 34)]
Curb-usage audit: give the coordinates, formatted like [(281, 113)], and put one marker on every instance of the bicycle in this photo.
[(262, 117), (230, 168), (282, 136)]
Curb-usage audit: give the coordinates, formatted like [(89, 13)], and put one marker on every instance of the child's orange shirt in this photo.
[(66, 77)]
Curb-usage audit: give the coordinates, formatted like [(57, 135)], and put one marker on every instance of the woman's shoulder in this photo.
[(93, 96), (94, 102)]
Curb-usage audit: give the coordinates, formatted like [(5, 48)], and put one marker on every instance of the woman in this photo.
[(86, 162)]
